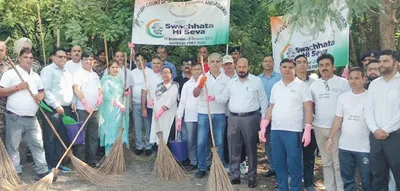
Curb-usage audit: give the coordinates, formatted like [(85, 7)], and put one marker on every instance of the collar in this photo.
[(22, 70), (56, 67), (273, 74)]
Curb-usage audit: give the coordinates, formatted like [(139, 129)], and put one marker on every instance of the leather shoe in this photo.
[(252, 184), (269, 173), (148, 152), (235, 181), (138, 152), (200, 174)]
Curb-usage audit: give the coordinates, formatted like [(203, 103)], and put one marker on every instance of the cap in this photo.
[(235, 49), (374, 54), (227, 59)]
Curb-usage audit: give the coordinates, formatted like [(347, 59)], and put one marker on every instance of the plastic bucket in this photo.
[(72, 131), (179, 149)]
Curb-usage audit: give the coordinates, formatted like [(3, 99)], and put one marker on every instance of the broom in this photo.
[(218, 180), (114, 163), (8, 175), (83, 170)]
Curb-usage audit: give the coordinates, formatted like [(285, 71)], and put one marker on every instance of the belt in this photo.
[(9, 112), (244, 114), (395, 132)]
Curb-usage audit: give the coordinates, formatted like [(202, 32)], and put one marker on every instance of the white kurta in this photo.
[(164, 123)]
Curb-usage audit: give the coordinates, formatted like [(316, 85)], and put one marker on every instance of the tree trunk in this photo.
[(387, 26), (375, 41)]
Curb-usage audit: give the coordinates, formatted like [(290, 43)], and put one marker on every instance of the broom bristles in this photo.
[(114, 163), (8, 174), (166, 167), (218, 180), (43, 184)]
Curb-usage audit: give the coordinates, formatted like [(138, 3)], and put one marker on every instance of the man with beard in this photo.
[(325, 92), (235, 53), (203, 51), (75, 64), (246, 96), (382, 114), (269, 77), (101, 65), (186, 73), (372, 71), (162, 53)]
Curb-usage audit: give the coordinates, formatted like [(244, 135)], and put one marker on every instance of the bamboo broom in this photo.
[(83, 170), (114, 163), (9, 178), (218, 180)]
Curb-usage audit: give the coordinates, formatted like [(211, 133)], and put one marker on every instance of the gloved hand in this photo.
[(100, 100), (202, 81), (127, 92), (150, 102), (119, 105), (88, 107), (178, 124), (158, 114), (210, 98), (307, 135), (263, 128)]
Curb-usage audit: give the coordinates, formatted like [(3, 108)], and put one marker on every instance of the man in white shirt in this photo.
[(188, 106), (354, 140), (382, 114), (89, 96), (149, 93), (325, 92), (246, 96), (21, 120), (290, 97), (216, 82), (57, 82), (308, 152), (75, 64), (138, 119)]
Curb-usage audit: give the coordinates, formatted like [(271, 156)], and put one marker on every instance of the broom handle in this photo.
[(105, 49), (40, 108), (145, 79), (208, 104), (73, 141), (41, 34)]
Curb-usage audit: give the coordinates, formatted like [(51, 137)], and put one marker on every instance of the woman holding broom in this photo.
[(112, 109)]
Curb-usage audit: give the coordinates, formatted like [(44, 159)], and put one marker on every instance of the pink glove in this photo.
[(127, 92), (88, 107), (158, 114), (150, 102), (119, 105), (178, 124), (210, 98), (100, 100), (307, 135), (263, 127)]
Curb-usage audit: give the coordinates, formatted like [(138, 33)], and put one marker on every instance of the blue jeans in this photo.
[(139, 120), (349, 161), (286, 156), (189, 134), (203, 132)]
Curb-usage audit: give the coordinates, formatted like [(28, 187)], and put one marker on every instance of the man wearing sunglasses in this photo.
[(325, 92)]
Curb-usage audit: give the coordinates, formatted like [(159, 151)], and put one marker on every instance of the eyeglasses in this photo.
[(326, 86), (61, 57)]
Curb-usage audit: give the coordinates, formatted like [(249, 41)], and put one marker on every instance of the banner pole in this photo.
[(227, 49)]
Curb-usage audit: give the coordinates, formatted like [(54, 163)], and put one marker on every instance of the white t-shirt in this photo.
[(152, 81), (355, 133), (138, 83), (21, 102), (325, 95), (188, 103), (215, 86), (287, 114), (73, 67), (89, 84)]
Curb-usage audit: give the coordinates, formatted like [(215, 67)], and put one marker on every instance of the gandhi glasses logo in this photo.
[(155, 28)]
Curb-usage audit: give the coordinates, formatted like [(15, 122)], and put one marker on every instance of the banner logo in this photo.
[(155, 28)]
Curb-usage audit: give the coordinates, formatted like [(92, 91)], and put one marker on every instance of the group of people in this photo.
[(293, 113)]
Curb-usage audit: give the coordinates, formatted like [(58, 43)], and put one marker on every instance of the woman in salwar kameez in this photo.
[(113, 110), (165, 106)]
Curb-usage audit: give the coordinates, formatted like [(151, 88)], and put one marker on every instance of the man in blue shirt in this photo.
[(269, 78), (162, 53)]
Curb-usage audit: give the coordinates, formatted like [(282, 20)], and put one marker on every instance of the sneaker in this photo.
[(40, 176), (200, 174), (148, 152), (243, 169), (191, 167), (64, 169)]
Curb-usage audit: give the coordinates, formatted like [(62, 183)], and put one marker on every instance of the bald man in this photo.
[(246, 97), (4, 67)]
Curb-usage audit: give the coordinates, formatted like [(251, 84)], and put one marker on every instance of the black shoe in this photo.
[(200, 174), (138, 152), (208, 168), (252, 184), (40, 176), (94, 165), (186, 162), (235, 181), (269, 173), (191, 167), (148, 152)]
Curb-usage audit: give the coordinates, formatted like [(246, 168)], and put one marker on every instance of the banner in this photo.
[(288, 42), (192, 23)]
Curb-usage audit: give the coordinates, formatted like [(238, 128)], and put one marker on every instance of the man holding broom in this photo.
[(90, 95), (21, 111), (4, 67)]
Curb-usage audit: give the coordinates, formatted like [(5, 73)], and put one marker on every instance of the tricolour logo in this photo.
[(155, 28)]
